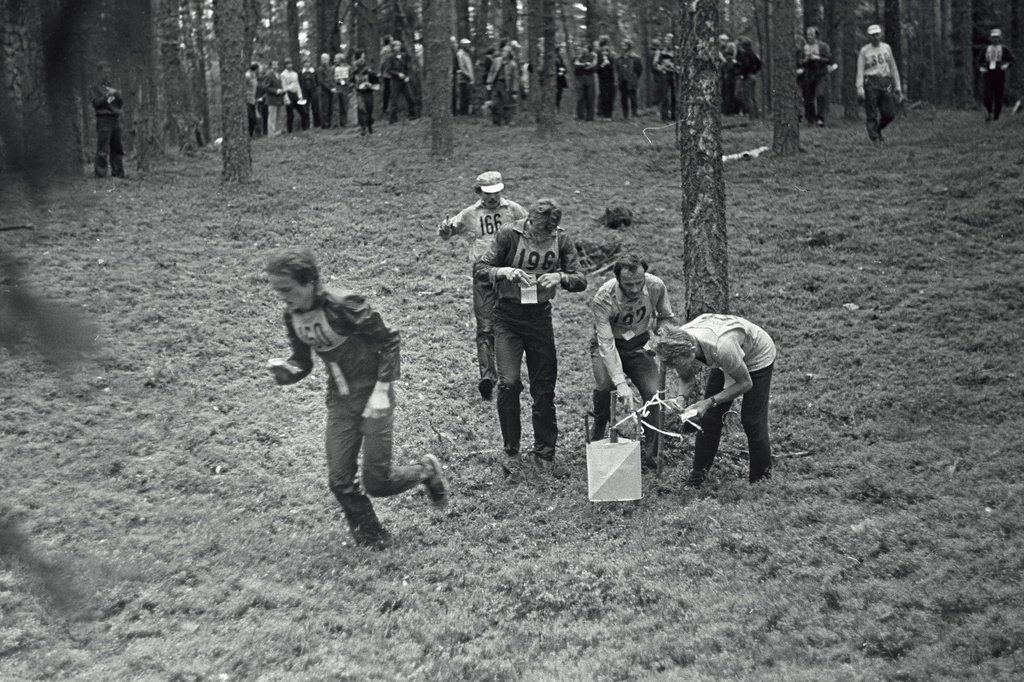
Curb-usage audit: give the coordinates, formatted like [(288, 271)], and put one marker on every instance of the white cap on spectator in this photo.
[(490, 182), (873, 29)]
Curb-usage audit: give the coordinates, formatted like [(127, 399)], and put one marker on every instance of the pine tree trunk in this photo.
[(462, 19), (437, 59), (230, 21), (785, 99), (543, 94), (480, 39), (201, 85), (509, 19), (705, 244), (61, 21), (850, 51), (292, 27), (961, 39), (812, 13), (894, 37), (1016, 74), (646, 94)]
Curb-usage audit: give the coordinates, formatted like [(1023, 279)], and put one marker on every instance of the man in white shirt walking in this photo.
[(878, 83)]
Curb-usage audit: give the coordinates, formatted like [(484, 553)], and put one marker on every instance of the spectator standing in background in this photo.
[(748, 65), (584, 67), (252, 86), (561, 80), (813, 61), (325, 82), (630, 69), (310, 93), (107, 102), (993, 63), (292, 93), (366, 82), (342, 76), (605, 69), (878, 83), (464, 77), (275, 100)]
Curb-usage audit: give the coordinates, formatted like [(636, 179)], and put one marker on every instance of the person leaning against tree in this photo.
[(878, 83), (527, 263), (106, 100), (741, 357), (361, 355)]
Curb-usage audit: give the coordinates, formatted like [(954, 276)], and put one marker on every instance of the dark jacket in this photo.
[(747, 63), (814, 69), (102, 92), (272, 86), (584, 65), (502, 253), (349, 336), (630, 68)]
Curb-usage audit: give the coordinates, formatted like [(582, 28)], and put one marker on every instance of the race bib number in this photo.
[(536, 258), (489, 224), (315, 331)]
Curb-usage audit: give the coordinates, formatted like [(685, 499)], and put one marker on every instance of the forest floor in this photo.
[(182, 495)]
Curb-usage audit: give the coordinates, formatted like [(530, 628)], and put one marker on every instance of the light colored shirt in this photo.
[(465, 64), (484, 223), (290, 81), (618, 318), (341, 73), (727, 335), (876, 61)]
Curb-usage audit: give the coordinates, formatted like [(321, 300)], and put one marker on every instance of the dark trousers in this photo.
[(326, 108), (585, 98), (520, 329), (993, 83), (753, 417), (254, 121), (639, 367), (264, 112), (809, 88), (342, 96), (293, 107), (606, 98), (879, 105), (400, 88), (502, 105), (668, 99), (385, 94), (346, 434), (313, 104), (627, 96), (746, 95), (559, 89), (364, 109), (465, 92), (109, 147), (484, 298)]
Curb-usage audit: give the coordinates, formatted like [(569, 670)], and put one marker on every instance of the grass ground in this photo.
[(184, 494)]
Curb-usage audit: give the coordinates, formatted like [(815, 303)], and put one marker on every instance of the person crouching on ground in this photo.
[(626, 310), (361, 354), (741, 356)]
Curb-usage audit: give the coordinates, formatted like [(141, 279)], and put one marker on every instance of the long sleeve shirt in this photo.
[(356, 346), (465, 63), (325, 77), (621, 323), (290, 82), (483, 223), (106, 100), (630, 68), (537, 254), (876, 62), (995, 57)]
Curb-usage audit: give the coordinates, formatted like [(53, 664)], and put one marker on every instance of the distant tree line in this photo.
[(166, 54)]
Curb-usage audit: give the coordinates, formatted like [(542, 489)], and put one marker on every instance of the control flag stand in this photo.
[(613, 464)]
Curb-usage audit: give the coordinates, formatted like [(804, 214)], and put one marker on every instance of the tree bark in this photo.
[(462, 19), (230, 22), (850, 50), (812, 13), (894, 37), (201, 87), (961, 39), (705, 244), (437, 59), (292, 27), (786, 103), (509, 20), (480, 39), (1017, 45), (542, 17)]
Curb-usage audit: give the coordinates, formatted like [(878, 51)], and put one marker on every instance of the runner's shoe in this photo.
[(435, 483)]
